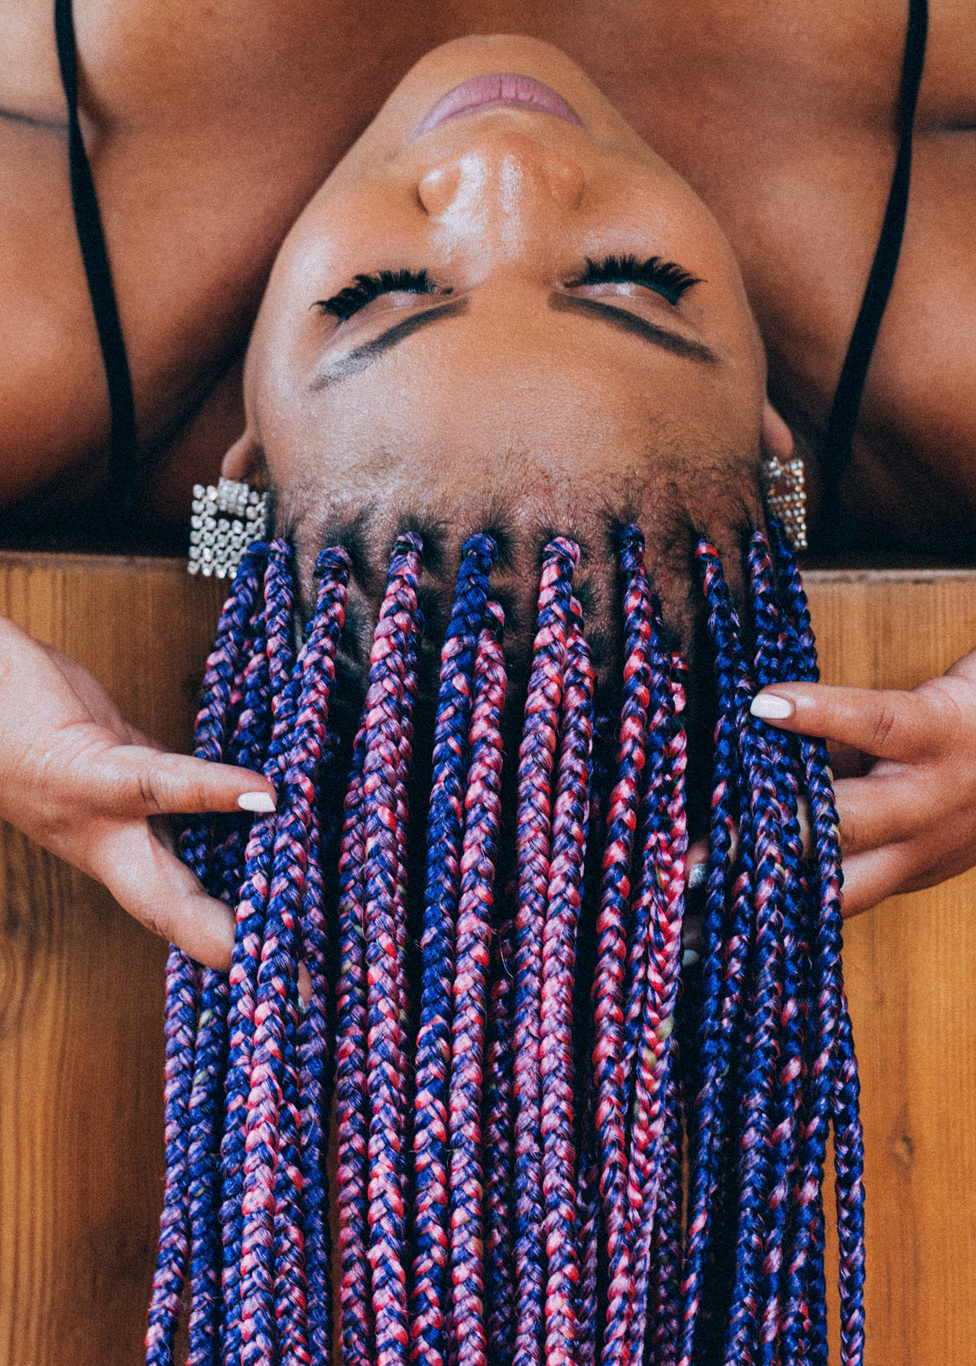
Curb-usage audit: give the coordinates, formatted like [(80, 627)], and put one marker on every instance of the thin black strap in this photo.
[(91, 238), (837, 525)]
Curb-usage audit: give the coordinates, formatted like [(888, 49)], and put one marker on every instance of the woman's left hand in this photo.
[(908, 817)]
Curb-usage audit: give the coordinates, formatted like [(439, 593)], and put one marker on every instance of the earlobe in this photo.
[(245, 462), (775, 436)]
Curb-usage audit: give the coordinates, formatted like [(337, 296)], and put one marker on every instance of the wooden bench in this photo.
[(81, 999)]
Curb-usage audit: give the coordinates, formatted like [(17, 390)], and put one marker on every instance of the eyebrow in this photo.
[(356, 360), (636, 326), (360, 357)]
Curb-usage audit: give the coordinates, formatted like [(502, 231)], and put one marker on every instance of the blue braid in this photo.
[(183, 986), (437, 947)]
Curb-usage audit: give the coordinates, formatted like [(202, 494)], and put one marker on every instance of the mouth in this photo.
[(500, 90)]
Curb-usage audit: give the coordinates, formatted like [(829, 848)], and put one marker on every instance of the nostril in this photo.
[(438, 189), (565, 179)]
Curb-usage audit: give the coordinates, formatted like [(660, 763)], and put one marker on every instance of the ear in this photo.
[(245, 462), (775, 437)]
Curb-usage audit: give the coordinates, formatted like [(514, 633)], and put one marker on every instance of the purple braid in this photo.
[(661, 1345), (770, 665), (499, 1147), (316, 666), (183, 1200), (661, 888), (833, 1025), (482, 803), (258, 707), (759, 1061), (258, 1328), (559, 1166), (352, 1116), (444, 828), (534, 830), (608, 986), (386, 706)]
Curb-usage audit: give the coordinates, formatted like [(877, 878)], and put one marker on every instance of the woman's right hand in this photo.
[(95, 791)]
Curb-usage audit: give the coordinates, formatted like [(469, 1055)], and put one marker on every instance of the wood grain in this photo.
[(81, 998)]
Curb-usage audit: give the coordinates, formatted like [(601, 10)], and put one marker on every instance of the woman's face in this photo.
[(553, 334)]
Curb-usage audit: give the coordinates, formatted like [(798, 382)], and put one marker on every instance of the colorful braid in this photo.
[(519, 1147), (537, 755), (482, 814), (444, 828), (565, 893)]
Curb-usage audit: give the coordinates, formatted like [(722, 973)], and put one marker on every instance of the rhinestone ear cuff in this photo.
[(786, 499), (218, 542)]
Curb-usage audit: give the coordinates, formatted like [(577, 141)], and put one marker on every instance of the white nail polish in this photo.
[(689, 958), (255, 801), (771, 708), (697, 874)]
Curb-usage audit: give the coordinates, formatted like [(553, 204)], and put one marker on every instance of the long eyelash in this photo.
[(369, 287), (664, 277)]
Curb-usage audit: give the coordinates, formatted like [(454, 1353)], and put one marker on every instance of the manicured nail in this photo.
[(697, 874), (689, 958), (769, 707), (256, 801)]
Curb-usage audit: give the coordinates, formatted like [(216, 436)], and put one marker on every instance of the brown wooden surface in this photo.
[(81, 999)]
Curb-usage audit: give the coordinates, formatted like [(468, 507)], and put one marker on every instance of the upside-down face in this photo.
[(503, 311)]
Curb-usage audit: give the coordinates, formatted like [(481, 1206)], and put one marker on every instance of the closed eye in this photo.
[(369, 287), (666, 278)]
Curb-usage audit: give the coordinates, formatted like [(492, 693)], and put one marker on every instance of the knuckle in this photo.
[(885, 725)]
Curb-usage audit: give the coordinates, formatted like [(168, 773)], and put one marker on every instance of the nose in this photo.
[(504, 181)]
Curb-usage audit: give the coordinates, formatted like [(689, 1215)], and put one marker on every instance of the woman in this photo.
[(530, 326)]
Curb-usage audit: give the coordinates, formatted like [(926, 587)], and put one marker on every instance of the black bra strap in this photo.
[(91, 238), (850, 388)]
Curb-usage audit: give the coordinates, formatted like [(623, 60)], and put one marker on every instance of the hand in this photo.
[(78, 779), (908, 817)]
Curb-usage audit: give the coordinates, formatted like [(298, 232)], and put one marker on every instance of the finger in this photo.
[(964, 668), (875, 875), (131, 780), (880, 810), (885, 723), (161, 893)]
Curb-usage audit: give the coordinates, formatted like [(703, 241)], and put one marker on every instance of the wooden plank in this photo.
[(909, 966), (81, 1003), (81, 998)]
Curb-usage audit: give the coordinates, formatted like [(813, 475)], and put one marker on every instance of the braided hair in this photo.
[(554, 1145)]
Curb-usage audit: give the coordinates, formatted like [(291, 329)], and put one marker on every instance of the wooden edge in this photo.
[(57, 562)]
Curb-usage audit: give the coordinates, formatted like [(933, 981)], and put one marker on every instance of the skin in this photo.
[(500, 207)]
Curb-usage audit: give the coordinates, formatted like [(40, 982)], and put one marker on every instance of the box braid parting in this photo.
[(510, 1162)]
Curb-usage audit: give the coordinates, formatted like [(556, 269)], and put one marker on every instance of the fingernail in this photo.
[(769, 707), (697, 874), (256, 801), (689, 958)]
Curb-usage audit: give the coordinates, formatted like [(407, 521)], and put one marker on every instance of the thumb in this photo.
[(161, 893), (135, 780)]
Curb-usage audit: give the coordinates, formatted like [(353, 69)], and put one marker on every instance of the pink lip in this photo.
[(501, 90)]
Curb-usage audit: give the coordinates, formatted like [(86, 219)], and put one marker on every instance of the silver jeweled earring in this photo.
[(217, 544), (786, 499)]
